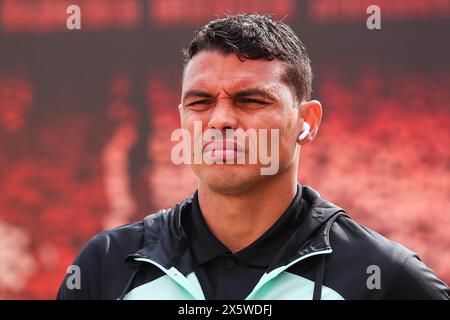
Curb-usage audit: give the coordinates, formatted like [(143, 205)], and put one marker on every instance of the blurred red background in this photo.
[(86, 117)]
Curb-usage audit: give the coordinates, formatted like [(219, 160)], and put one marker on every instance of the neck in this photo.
[(237, 220)]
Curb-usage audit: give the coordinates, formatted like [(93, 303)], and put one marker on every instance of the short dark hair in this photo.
[(255, 36)]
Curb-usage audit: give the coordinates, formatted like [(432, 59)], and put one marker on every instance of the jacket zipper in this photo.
[(267, 277), (178, 277), (184, 282)]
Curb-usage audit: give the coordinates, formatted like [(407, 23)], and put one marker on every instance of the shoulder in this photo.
[(129, 238), (349, 234), (123, 238), (363, 253), (101, 263)]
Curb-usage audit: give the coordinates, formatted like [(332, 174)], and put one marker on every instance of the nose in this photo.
[(223, 117)]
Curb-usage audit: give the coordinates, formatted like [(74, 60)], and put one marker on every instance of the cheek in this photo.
[(286, 125), (189, 118), (284, 122), (264, 120), (274, 122), (195, 124)]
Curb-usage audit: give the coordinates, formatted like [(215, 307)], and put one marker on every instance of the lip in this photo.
[(222, 146)]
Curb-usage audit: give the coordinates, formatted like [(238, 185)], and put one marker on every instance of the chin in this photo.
[(229, 179)]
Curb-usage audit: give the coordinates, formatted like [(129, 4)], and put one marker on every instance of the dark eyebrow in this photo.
[(197, 94), (255, 92)]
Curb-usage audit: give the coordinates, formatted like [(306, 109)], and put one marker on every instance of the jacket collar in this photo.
[(205, 246), (313, 234), (165, 241)]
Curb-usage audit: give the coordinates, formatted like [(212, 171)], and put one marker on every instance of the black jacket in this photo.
[(329, 256)]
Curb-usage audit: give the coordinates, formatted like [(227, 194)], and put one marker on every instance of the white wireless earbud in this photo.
[(306, 128)]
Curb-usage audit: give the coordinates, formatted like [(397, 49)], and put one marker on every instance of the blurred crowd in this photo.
[(381, 153)]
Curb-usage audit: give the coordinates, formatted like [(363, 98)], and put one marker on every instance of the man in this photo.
[(244, 234)]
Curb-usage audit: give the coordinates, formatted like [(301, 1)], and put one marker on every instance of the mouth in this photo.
[(222, 149)]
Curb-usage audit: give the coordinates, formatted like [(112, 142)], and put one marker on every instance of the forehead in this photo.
[(213, 70)]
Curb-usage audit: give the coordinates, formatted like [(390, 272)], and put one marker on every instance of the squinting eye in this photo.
[(251, 101), (199, 103)]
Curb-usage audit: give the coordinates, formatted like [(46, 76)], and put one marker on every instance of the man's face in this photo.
[(225, 93)]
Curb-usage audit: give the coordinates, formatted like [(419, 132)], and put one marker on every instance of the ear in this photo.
[(180, 112), (311, 112)]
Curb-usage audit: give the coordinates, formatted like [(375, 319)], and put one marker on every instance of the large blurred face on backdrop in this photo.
[(243, 121)]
